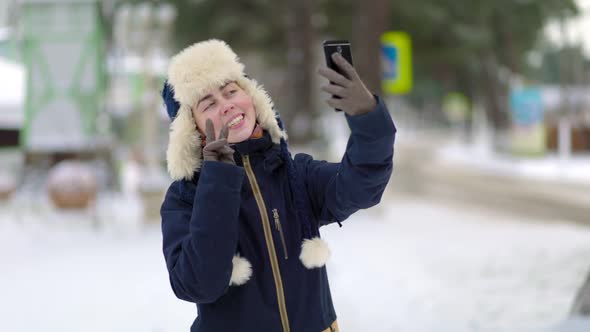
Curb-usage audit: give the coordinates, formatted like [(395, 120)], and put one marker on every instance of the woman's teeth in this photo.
[(235, 121)]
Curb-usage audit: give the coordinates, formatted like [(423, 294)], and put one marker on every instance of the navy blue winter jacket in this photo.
[(207, 220)]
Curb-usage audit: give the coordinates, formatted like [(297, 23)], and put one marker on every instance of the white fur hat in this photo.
[(193, 73)]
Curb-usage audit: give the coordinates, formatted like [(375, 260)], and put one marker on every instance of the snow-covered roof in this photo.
[(12, 78), (12, 94)]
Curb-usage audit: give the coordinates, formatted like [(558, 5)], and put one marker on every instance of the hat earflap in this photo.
[(265, 113), (184, 146)]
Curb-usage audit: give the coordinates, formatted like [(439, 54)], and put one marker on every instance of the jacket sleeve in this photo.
[(200, 239), (337, 190)]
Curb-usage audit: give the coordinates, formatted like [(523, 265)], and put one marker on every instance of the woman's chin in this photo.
[(239, 135)]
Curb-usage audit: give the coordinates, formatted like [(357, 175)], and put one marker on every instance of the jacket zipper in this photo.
[(275, 214), (274, 262)]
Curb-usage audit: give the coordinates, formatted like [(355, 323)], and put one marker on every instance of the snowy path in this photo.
[(432, 267), (405, 266)]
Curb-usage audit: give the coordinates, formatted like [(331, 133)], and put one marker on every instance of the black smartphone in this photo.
[(339, 46)]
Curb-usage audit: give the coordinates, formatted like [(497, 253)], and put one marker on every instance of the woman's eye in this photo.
[(208, 106), (231, 92)]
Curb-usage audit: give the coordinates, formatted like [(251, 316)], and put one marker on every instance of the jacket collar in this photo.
[(254, 145), (260, 146)]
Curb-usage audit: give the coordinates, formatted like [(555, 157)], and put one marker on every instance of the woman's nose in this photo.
[(227, 107)]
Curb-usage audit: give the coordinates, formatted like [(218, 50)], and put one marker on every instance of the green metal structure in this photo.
[(63, 50)]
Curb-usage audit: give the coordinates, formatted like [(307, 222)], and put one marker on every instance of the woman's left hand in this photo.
[(355, 98)]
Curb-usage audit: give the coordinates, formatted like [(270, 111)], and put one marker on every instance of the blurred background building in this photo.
[(491, 100)]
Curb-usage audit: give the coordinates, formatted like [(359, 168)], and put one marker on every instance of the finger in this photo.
[(215, 145), (335, 103), (226, 154), (228, 159), (348, 69), (226, 150), (335, 90), (333, 76), (224, 131), (210, 131), (209, 155)]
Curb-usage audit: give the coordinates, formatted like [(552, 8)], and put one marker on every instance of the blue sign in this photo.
[(390, 65), (527, 106)]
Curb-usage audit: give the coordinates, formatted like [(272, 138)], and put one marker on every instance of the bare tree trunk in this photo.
[(371, 21), (494, 93), (564, 129), (300, 67)]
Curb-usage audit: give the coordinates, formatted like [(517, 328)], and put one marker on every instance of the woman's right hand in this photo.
[(217, 149)]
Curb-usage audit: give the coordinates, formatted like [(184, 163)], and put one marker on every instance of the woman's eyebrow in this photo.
[(209, 96)]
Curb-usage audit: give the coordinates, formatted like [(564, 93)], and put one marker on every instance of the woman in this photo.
[(241, 220)]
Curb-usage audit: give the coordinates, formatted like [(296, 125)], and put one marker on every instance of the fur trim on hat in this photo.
[(192, 73), (314, 253), (241, 271), (265, 115), (184, 148)]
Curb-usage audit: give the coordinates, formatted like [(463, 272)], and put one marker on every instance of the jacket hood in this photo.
[(191, 74)]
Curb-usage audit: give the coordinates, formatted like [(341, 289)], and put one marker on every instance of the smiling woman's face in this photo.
[(228, 104)]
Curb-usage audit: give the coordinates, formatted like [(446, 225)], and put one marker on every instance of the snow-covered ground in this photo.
[(549, 168), (424, 266), (407, 265)]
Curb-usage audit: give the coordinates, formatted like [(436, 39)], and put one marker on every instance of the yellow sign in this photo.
[(396, 54)]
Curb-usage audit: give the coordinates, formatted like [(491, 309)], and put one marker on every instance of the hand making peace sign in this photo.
[(217, 149)]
